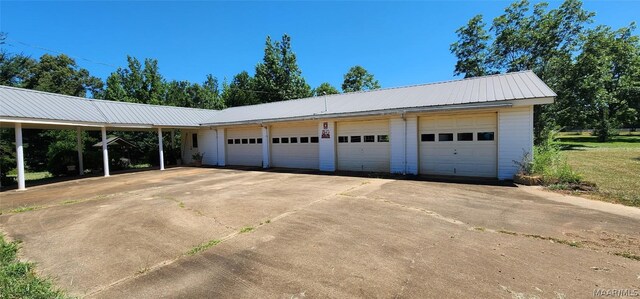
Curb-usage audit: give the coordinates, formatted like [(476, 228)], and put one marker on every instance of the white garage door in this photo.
[(244, 146), (363, 146), (295, 145), (464, 145)]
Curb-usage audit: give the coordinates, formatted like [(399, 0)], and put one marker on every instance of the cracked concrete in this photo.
[(317, 236)]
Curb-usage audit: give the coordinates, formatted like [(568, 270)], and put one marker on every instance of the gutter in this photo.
[(393, 111)]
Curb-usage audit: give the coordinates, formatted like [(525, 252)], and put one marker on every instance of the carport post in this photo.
[(80, 162), (105, 152), (160, 149), (20, 157)]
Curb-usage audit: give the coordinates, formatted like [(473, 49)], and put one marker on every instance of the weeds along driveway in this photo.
[(231, 233)]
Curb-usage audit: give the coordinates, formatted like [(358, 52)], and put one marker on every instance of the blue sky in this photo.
[(401, 43)]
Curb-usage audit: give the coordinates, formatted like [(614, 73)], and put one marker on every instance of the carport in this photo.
[(29, 109)]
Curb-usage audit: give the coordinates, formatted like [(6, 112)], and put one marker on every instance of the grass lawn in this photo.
[(31, 176), (614, 166), (18, 279)]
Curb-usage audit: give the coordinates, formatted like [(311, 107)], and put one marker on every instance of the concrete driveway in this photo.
[(197, 232)]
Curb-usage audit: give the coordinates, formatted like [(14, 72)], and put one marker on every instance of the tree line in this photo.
[(595, 70), (276, 78)]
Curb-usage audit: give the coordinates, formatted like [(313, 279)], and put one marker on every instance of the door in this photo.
[(295, 145), (244, 146), (363, 146), (460, 145)]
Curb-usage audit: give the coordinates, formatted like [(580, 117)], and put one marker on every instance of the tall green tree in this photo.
[(359, 79), (608, 72), (61, 74), (472, 49), (533, 37), (137, 84), (14, 68), (241, 91), (325, 89), (278, 76)]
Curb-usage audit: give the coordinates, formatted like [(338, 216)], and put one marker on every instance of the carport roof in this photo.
[(31, 104), (478, 90)]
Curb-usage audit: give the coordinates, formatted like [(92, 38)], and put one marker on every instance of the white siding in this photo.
[(187, 147), (242, 152), (363, 156), (404, 145), (515, 137), (327, 145), (221, 144), (295, 155), (208, 146)]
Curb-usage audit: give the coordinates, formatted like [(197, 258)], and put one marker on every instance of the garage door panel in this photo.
[(240, 150), (363, 156), (464, 155), (295, 155)]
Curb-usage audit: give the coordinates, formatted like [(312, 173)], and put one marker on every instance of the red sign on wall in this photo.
[(325, 125)]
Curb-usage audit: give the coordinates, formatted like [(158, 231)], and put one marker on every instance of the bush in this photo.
[(57, 164), (549, 163)]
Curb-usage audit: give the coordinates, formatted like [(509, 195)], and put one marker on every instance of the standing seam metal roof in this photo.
[(24, 103), (494, 88)]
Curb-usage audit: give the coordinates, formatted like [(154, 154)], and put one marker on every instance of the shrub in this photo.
[(549, 163), (57, 164)]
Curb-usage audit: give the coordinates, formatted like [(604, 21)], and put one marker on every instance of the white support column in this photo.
[(326, 135), (79, 146), (160, 149), (222, 143), (20, 157), (105, 152), (266, 147)]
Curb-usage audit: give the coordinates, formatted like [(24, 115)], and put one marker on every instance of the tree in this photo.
[(137, 84), (61, 74), (471, 49), (608, 72), (240, 92), (278, 76), (534, 38), (14, 69), (325, 89), (359, 79)]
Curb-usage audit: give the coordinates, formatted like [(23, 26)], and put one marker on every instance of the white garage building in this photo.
[(473, 127)]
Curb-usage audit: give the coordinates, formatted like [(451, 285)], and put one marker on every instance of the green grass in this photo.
[(25, 209), (203, 246), (246, 229), (18, 279), (614, 166), (628, 255), (30, 176)]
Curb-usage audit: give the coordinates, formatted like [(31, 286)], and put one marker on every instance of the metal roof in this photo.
[(479, 90), (25, 103), (32, 104)]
